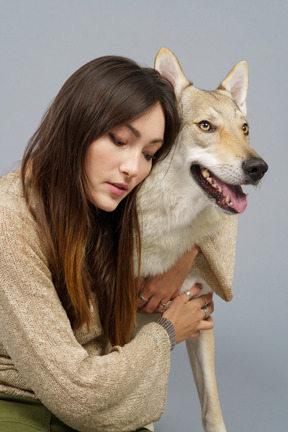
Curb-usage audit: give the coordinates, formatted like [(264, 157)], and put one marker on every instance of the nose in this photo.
[(130, 166), (255, 168)]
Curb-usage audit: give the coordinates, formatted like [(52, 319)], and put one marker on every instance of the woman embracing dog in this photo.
[(68, 296)]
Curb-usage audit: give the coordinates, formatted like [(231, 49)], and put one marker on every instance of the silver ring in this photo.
[(206, 302), (166, 305), (143, 298), (189, 294), (207, 313)]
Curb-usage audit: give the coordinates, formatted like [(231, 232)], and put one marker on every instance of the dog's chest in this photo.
[(173, 217), (164, 239)]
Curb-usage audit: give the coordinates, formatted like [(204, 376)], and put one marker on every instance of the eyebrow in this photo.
[(137, 134)]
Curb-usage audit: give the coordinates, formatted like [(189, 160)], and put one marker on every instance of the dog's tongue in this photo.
[(237, 197)]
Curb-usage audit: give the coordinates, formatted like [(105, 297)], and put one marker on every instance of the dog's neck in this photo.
[(173, 213)]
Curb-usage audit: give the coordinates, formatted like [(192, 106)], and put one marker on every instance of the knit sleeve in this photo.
[(120, 391)]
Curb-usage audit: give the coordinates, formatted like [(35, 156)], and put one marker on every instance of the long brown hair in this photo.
[(89, 249)]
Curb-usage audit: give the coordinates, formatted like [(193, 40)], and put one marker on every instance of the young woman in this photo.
[(68, 293)]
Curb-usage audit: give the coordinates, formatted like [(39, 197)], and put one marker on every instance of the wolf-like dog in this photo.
[(183, 199)]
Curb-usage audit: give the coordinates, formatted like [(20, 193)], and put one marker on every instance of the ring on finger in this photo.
[(206, 302), (166, 305), (207, 313), (143, 298), (189, 294)]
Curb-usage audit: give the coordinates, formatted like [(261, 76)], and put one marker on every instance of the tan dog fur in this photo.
[(175, 213)]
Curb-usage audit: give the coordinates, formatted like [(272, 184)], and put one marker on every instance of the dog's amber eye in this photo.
[(205, 126), (245, 128)]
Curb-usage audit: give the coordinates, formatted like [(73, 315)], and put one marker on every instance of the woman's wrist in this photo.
[(169, 327)]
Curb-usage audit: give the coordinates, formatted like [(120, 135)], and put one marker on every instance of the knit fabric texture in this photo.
[(77, 375)]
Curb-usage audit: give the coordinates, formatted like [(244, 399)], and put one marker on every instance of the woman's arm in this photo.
[(166, 287), (122, 390)]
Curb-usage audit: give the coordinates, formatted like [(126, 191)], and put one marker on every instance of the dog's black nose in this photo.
[(255, 168)]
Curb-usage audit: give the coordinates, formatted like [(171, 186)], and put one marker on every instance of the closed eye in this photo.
[(149, 157), (116, 140)]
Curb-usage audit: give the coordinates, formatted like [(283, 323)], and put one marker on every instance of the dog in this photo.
[(184, 198)]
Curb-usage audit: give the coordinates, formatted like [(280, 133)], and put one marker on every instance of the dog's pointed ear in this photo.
[(236, 83), (168, 66)]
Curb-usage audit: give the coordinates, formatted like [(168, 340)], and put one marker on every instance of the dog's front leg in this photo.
[(201, 355)]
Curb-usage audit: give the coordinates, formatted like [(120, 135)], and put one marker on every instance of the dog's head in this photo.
[(215, 135)]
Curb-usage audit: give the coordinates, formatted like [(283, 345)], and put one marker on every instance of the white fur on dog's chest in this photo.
[(172, 224)]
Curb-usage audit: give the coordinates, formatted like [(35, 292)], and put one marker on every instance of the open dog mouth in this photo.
[(229, 198)]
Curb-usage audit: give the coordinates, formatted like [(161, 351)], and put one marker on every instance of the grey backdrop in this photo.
[(43, 42)]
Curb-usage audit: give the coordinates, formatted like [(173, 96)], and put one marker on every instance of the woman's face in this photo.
[(118, 161)]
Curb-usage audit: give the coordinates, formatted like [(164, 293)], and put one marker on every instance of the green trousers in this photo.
[(19, 414)]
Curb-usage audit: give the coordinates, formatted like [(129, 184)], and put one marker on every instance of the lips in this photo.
[(118, 189), (229, 198)]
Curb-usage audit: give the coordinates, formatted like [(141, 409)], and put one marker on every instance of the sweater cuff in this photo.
[(169, 327)]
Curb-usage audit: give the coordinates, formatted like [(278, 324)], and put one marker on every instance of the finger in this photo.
[(207, 311), (204, 300), (142, 301), (207, 324), (150, 304), (140, 283), (204, 326), (152, 292), (153, 305), (164, 305), (211, 305), (193, 291)]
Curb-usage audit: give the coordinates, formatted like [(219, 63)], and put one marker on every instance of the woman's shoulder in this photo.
[(12, 199), (16, 220), (10, 185)]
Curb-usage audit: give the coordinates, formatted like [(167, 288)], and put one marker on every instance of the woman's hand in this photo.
[(163, 288), (189, 316)]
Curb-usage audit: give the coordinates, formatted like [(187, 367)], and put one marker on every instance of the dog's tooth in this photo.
[(215, 186), (205, 173), (209, 180), (228, 201)]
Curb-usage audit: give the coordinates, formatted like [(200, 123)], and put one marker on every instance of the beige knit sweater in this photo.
[(79, 377), (84, 381)]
